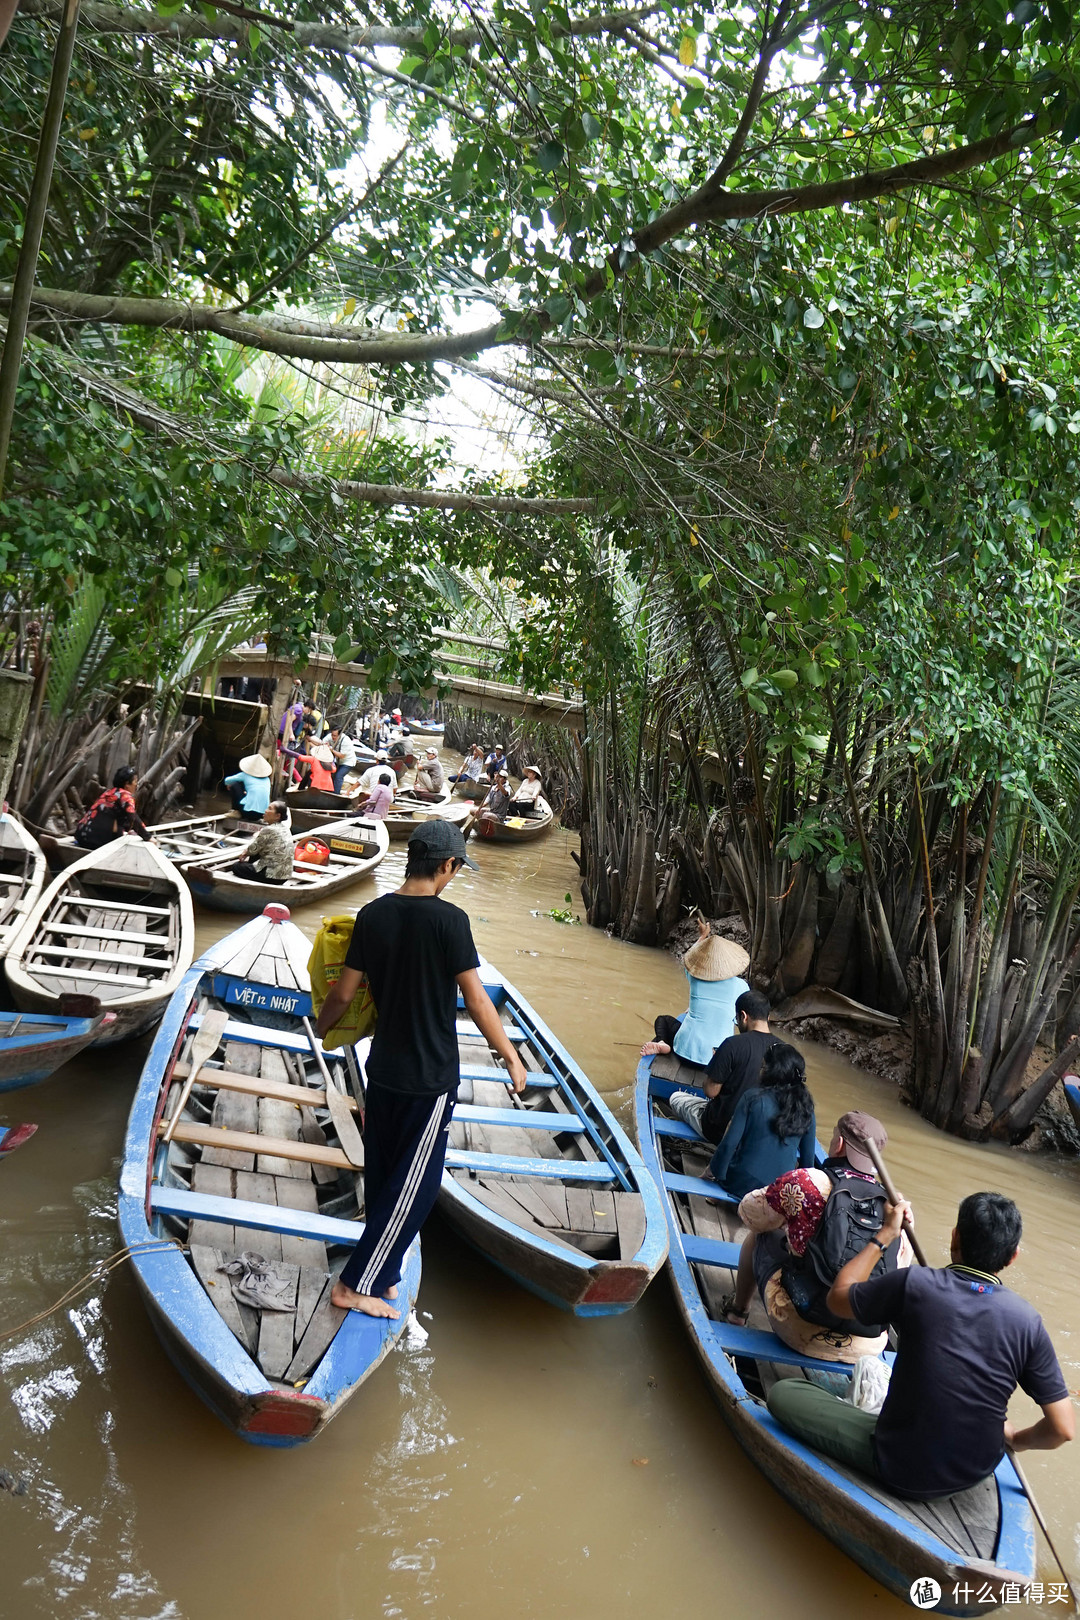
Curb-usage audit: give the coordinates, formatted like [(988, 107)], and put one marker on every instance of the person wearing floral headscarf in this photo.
[(782, 1219)]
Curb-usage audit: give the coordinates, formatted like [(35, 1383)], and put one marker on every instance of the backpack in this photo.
[(324, 965), (853, 1214)]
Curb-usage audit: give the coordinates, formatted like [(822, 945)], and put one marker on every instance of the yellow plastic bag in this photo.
[(324, 965)]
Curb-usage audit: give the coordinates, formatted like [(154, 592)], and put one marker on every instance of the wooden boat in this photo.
[(319, 799), (517, 829), (179, 840), (472, 790), (548, 1186), (357, 845), (14, 1136), (22, 877), (117, 925), (254, 1166), (978, 1536), (408, 814), (433, 729), (34, 1045)]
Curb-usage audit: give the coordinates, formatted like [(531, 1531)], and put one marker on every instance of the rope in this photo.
[(98, 1273)]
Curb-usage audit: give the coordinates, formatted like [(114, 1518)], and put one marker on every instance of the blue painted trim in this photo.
[(254, 994), (508, 1164), (465, 1026), (710, 1252), (259, 1035), (680, 1131), (698, 1187), (195, 1206), (529, 1119), (1016, 1539), (482, 1071)]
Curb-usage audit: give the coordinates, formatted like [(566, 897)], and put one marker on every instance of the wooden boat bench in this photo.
[(216, 1136), (698, 1187), (680, 1132), (229, 1079), (299, 1223), (556, 1169), (530, 1119)]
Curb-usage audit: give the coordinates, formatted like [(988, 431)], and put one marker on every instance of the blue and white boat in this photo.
[(548, 1186), (979, 1541), (34, 1045), (245, 1168)]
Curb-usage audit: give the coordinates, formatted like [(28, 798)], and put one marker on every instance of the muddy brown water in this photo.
[(520, 1462)]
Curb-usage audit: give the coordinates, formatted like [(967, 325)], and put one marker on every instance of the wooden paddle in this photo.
[(206, 1042), (871, 1151), (352, 1144)]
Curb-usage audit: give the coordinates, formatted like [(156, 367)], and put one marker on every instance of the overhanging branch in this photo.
[(441, 500)]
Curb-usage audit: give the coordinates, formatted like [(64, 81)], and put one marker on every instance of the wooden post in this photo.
[(37, 204)]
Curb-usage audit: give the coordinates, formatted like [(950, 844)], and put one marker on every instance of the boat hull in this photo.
[(1072, 1097), (221, 890), (28, 1061)]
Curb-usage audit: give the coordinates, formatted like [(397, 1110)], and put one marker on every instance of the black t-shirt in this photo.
[(965, 1344), (735, 1065), (412, 947)]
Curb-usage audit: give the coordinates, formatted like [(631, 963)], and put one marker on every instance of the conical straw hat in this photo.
[(716, 958), (256, 765)]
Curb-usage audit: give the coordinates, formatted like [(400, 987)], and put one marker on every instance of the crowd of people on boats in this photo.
[(828, 1258)]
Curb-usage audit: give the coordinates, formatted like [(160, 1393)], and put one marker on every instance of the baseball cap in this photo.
[(443, 841), (856, 1127)]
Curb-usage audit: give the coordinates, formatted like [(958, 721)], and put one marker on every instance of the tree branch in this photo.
[(441, 500), (110, 19)]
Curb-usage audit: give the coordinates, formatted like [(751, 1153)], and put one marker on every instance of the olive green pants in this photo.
[(825, 1422)]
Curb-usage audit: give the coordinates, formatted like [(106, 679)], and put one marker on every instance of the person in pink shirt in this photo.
[(380, 798)]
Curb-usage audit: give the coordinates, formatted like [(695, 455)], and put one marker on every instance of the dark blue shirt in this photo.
[(751, 1154), (965, 1344)]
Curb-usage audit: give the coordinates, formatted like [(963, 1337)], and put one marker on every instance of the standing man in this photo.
[(733, 1067), (344, 751), (417, 951)]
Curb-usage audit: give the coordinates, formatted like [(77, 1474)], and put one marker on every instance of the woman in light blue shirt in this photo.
[(249, 789), (714, 969)]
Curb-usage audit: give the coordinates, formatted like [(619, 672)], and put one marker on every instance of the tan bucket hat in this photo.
[(716, 958), (255, 765)]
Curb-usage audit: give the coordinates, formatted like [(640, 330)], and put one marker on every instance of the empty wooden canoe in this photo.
[(408, 814), (963, 1541), (254, 1167), (34, 1045), (357, 845), (517, 829), (117, 925), (548, 1186), (22, 877)]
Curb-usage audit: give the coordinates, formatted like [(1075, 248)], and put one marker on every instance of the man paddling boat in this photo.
[(965, 1343), (416, 951)]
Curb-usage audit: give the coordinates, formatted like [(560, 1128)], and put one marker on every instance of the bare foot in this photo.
[(346, 1300), (652, 1048)]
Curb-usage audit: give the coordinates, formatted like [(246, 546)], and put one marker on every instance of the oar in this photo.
[(870, 1149), (347, 1134), (206, 1042)]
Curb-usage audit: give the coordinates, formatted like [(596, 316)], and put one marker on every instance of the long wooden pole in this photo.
[(870, 1149), (34, 225)]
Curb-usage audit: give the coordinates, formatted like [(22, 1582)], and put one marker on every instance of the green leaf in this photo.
[(549, 156), (812, 317), (749, 677), (173, 578), (784, 677), (1070, 129)]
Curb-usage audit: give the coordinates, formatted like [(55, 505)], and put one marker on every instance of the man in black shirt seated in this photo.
[(734, 1066), (966, 1342)]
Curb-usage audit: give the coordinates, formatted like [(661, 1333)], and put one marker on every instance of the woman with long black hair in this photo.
[(772, 1128)]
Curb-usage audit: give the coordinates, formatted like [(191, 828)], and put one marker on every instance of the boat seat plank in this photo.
[(222, 1211), (708, 1252), (560, 1169), (480, 1071), (697, 1187), (677, 1130), (226, 1079), (242, 1323), (276, 1328), (528, 1119), (81, 931), (760, 1345), (239, 1144), (471, 1031), (161, 964), (257, 1035), (45, 970), (112, 905), (216, 1182)]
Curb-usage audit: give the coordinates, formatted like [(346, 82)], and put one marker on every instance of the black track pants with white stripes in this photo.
[(404, 1147)]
